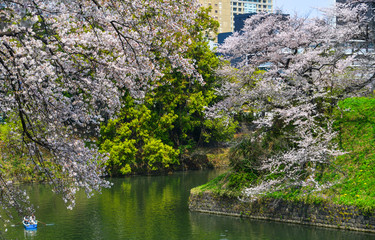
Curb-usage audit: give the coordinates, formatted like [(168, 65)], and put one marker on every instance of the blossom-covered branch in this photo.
[(64, 66), (308, 65)]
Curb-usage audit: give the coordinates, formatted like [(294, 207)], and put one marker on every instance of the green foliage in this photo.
[(159, 155), (213, 185), (238, 180), (131, 140), (249, 151), (219, 129), (15, 161), (229, 184), (149, 136), (247, 155)]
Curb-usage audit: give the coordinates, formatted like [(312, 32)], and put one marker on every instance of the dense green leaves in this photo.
[(132, 140), (149, 135)]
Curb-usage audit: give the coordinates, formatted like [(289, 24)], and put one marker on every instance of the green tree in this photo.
[(150, 135)]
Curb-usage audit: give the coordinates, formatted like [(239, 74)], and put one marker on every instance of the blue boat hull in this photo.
[(30, 226)]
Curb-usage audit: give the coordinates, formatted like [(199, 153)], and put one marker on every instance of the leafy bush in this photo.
[(249, 152)]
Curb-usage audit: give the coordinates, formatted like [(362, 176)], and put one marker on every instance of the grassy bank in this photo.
[(353, 174), (356, 126)]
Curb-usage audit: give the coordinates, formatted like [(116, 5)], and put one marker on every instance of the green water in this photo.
[(154, 208)]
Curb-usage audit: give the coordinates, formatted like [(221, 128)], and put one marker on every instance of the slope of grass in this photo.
[(356, 125), (352, 173)]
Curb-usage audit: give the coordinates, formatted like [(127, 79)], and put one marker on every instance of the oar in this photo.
[(16, 225), (42, 222), (46, 224)]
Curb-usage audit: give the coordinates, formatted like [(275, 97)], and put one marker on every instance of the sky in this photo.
[(302, 7)]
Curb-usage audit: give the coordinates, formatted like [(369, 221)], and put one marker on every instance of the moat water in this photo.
[(154, 207)]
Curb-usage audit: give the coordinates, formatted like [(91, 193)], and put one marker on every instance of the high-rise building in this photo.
[(221, 12), (224, 10), (249, 6)]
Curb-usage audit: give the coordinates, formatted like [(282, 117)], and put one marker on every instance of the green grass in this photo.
[(356, 126), (229, 184), (354, 172)]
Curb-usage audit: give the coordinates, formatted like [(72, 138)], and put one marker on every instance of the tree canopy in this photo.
[(64, 67), (290, 72), (155, 134)]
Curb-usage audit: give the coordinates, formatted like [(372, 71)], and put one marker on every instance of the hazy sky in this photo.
[(302, 7)]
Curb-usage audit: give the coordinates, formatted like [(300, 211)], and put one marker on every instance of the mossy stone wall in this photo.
[(322, 214)]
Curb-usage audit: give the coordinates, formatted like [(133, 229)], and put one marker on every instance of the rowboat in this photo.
[(29, 226)]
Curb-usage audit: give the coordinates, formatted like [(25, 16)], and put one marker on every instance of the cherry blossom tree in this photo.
[(294, 70), (65, 64)]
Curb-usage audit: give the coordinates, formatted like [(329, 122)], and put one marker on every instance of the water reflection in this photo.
[(29, 234), (220, 227), (155, 208)]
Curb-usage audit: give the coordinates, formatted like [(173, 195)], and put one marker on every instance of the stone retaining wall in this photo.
[(325, 215)]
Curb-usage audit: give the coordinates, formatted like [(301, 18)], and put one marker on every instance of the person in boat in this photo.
[(26, 220), (32, 219)]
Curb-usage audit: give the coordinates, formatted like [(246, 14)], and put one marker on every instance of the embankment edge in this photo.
[(315, 214)]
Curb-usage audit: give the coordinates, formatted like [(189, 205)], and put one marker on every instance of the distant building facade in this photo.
[(221, 12), (224, 10), (249, 6), (239, 21)]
